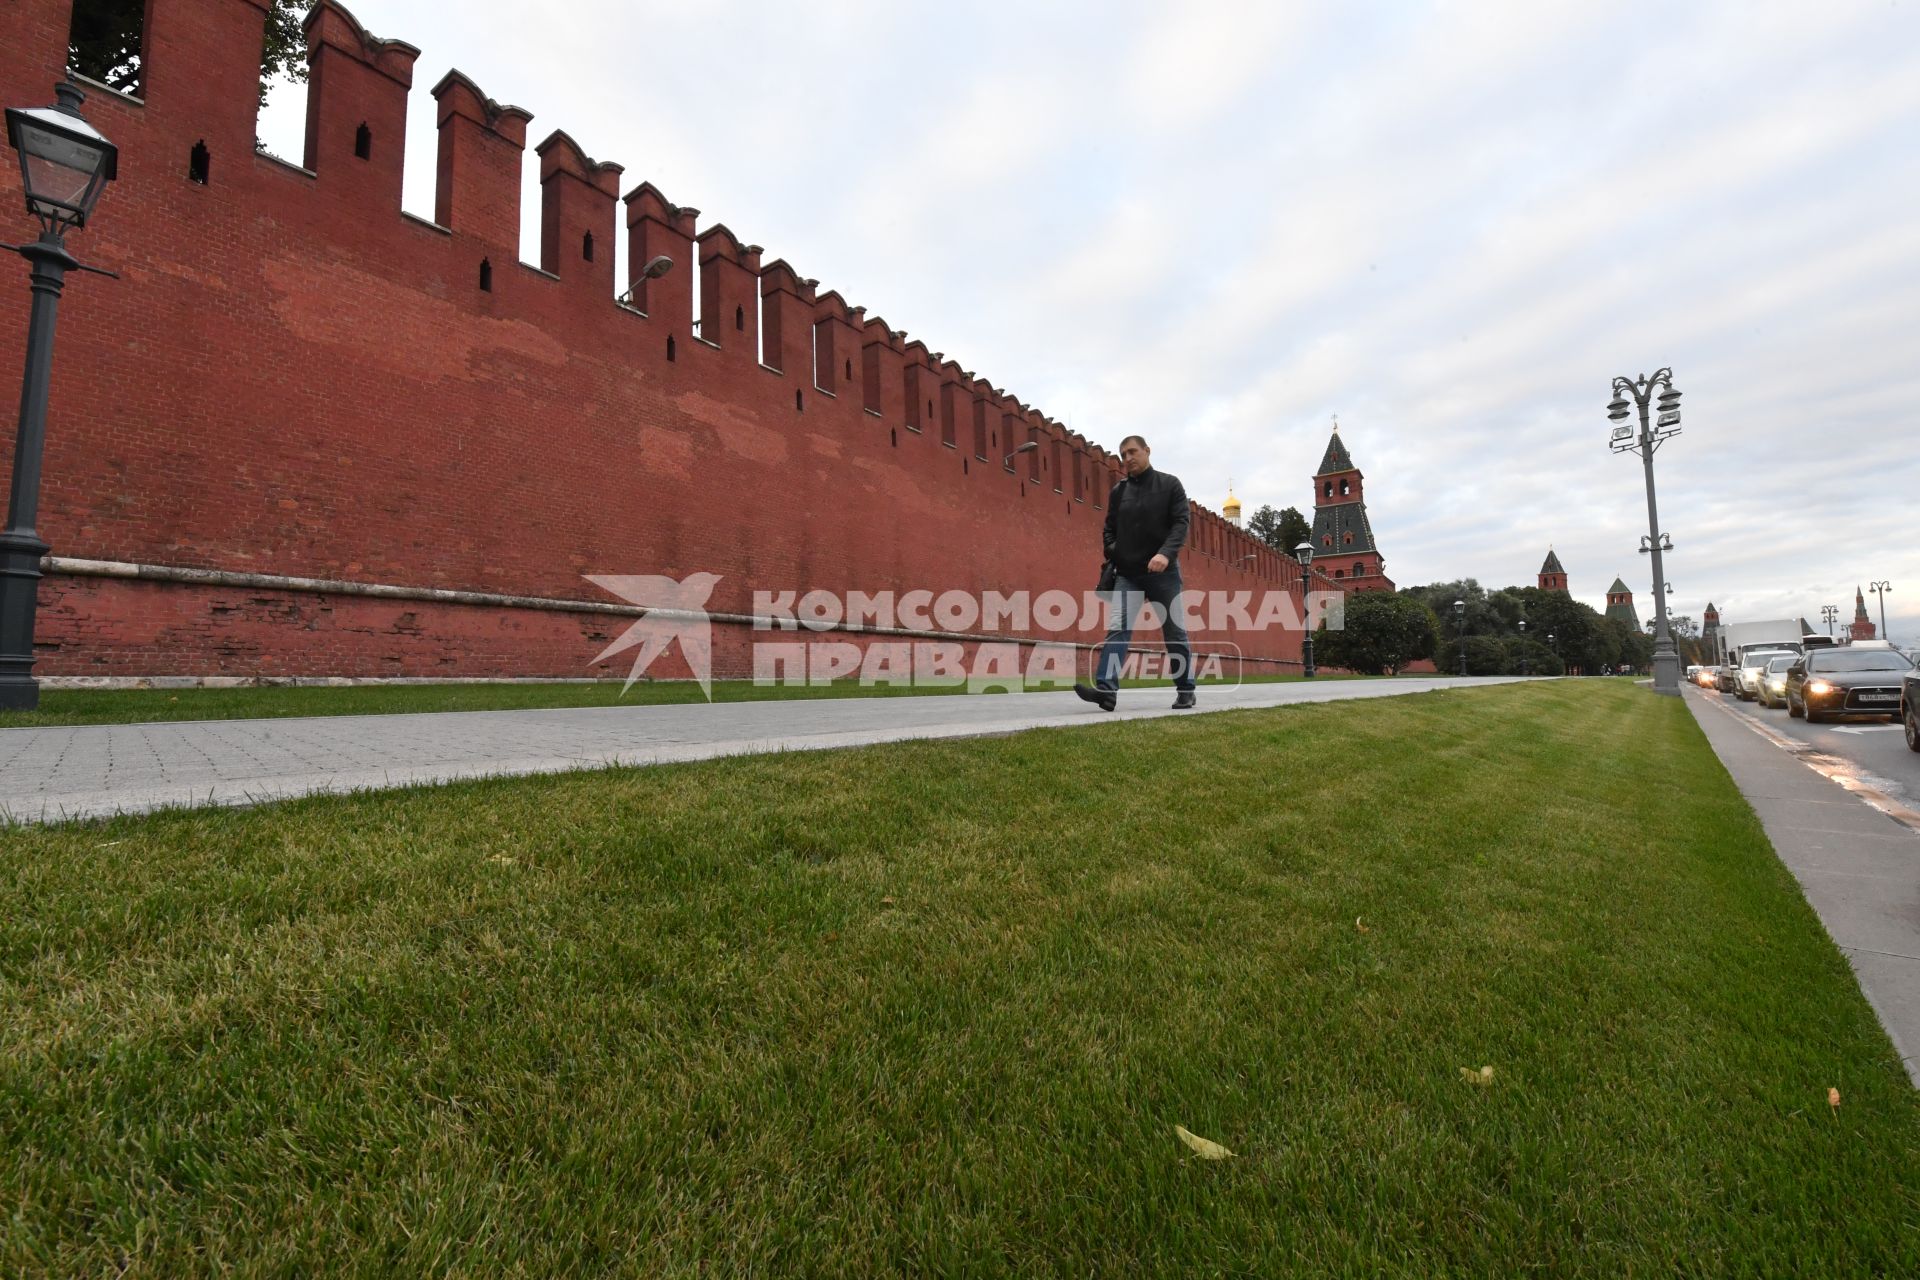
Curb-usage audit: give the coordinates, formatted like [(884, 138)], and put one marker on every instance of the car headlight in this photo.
[(1819, 686), (1776, 682)]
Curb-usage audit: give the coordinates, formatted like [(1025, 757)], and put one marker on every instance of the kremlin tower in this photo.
[(1343, 545)]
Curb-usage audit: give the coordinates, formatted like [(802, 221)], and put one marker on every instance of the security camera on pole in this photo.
[(1657, 425)]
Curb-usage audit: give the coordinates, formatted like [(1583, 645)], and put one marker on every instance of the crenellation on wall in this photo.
[(656, 226), (357, 86), (836, 340), (577, 197), (882, 372), (200, 74), (729, 292), (786, 317), (477, 179)]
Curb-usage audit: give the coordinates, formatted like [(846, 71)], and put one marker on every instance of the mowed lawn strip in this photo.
[(134, 706), (937, 1008)]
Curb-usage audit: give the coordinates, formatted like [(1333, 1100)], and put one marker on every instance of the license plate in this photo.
[(1879, 697)]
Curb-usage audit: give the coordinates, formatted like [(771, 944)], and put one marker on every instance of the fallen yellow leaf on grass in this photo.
[(1201, 1147), (1360, 927), (1833, 1098), (1483, 1077)]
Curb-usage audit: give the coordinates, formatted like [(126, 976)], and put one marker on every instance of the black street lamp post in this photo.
[(1657, 425), (1460, 631), (1829, 612), (1881, 589), (64, 164), (1304, 554), (1523, 646)]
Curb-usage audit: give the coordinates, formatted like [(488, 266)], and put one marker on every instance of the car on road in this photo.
[(1746, 676), (1723, 677), (1773, 681), (1910, 707), (1848, 681)]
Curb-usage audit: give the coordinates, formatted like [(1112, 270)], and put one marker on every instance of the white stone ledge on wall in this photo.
[(67, 566)]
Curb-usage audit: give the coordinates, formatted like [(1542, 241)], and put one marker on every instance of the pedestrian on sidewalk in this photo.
[(1145, 529)]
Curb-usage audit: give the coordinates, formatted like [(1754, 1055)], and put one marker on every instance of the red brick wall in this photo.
[(291, 377)]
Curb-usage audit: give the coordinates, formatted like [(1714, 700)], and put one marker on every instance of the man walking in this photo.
[(1146, 527)]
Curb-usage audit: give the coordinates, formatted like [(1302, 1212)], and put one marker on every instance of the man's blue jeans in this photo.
[(1125, 601)]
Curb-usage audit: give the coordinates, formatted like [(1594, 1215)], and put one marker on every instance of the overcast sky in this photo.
[(1220, 224)]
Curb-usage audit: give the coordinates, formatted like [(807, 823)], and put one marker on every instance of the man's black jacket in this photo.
[(1146, 517)]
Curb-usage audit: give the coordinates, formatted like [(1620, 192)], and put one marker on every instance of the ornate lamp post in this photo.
[(1881, 589), (64, 165), (1829, 612), (1523, 646), (1304, 554), (1656, 426), (1460, 631)]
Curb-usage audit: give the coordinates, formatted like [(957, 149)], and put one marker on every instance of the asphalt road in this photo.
[(1866, 756)]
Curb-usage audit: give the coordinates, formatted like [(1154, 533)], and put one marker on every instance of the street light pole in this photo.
[(1460, 631), (1523, 646), (64, 164), (1829, 612), (1304, 554), (1656, 428), (1881, 589)]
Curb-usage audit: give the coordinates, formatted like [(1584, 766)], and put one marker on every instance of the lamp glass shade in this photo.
[(1304, 554), (64, 162)]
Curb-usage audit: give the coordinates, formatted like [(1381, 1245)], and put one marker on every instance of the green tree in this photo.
[(1382, 633), (1281, 530), (1540, 660), (1486, 656), (104, 43)]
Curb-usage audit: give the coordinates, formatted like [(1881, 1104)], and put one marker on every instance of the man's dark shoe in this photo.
[(1099, 697), (1185, 702)]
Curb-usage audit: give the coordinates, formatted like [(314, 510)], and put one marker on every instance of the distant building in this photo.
[(1231, 508), (1553, 577), (1862, 628), (1620, 604), (1343, 545)]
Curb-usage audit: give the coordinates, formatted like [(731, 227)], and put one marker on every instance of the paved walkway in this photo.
[(1859, 868), (97, 770)]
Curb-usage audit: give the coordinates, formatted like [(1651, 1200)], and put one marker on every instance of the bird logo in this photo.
[(675, 610)]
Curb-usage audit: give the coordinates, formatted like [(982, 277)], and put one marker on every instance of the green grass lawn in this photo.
[(129, 706), (937, 1008)]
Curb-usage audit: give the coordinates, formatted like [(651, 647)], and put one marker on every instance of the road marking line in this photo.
[(1809, 755)]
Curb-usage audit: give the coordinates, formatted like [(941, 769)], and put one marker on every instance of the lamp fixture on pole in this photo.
[(1657, 404), (1882, 589), (65, 163), (1028, 447), (657, 266)]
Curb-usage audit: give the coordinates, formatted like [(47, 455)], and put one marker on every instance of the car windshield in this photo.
[(1762, 659), (1883, 660), (1781, 663)]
